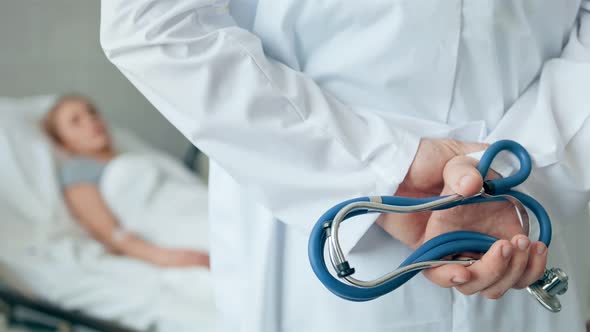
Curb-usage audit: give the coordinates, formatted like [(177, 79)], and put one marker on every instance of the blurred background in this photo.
[(53, 275), (52, 47)]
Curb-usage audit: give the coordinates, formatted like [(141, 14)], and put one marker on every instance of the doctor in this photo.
[(302, 104)]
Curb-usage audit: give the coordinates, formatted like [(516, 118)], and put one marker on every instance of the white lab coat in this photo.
[(304, 103)]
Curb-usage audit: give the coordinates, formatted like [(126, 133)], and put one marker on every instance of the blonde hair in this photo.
[(49, 125)]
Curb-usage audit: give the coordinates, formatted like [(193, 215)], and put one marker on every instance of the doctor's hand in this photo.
[(439, 168)]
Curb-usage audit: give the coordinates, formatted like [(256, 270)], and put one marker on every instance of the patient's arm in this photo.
[(90, 210)]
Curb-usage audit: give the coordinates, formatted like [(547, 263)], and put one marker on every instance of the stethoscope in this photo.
[(554, 281)]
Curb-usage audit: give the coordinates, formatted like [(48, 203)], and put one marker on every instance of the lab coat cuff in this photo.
[(392, 165), (391, 168)]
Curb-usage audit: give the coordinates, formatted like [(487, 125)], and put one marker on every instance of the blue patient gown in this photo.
[(80, 170)]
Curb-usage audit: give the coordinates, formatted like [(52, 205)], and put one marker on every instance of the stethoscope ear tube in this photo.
[(503, 185)]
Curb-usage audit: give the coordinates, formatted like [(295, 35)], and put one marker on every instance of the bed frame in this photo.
[(33, 314)]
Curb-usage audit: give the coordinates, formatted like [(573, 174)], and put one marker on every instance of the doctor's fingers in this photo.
[(491, 268), (448, 275), (483, 273), (536, 265), (516, 269)]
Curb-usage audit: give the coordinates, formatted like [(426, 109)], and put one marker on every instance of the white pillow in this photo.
[(26, 160), (30, 108), (31, 204), (27, 168)]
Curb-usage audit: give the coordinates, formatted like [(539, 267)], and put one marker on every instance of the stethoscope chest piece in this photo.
[(554, 282)]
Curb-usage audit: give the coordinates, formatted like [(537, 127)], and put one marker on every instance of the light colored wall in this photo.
[(52, 46)]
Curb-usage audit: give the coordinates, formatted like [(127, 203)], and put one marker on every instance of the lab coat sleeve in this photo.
[(296, 149), (551, 119)]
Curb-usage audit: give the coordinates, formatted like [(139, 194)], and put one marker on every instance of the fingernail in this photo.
[(523, 243), (541, 249), (458, 280), (506, 251)]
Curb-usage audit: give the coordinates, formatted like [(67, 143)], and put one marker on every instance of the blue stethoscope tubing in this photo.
[(440, 246)]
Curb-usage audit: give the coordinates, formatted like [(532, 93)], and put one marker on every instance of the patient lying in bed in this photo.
[(75, 126)]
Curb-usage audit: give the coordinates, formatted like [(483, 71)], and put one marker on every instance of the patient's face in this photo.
[(80, 128)]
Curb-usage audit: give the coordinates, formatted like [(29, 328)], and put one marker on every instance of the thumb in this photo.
[(462, 177)]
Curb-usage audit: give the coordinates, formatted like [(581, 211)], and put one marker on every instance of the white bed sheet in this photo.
[(45, 253)]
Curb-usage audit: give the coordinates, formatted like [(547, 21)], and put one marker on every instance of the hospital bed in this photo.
[(61, 289)]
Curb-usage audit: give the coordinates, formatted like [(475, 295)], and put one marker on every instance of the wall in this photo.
[(53, 47)]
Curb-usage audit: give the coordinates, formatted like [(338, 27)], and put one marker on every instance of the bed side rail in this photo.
[(62, 320)]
